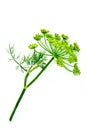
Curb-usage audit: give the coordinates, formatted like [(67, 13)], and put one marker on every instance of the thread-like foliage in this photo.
[(29, 61)]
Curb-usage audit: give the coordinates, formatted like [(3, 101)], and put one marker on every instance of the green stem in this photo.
[(27, 74), (17, 103), (40, 72), (68, 69), (46, 44), (25, 87)]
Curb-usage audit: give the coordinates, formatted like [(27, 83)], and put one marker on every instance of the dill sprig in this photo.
[(55, 46)]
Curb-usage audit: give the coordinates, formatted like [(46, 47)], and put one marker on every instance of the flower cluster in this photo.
[(38, 37), (44, 31), (76, 70), (33, 46), (59, 47)]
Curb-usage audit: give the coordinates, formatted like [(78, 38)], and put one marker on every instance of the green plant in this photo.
[(53, 46)]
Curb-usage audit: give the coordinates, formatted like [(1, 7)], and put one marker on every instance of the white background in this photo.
[(58, 99)]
